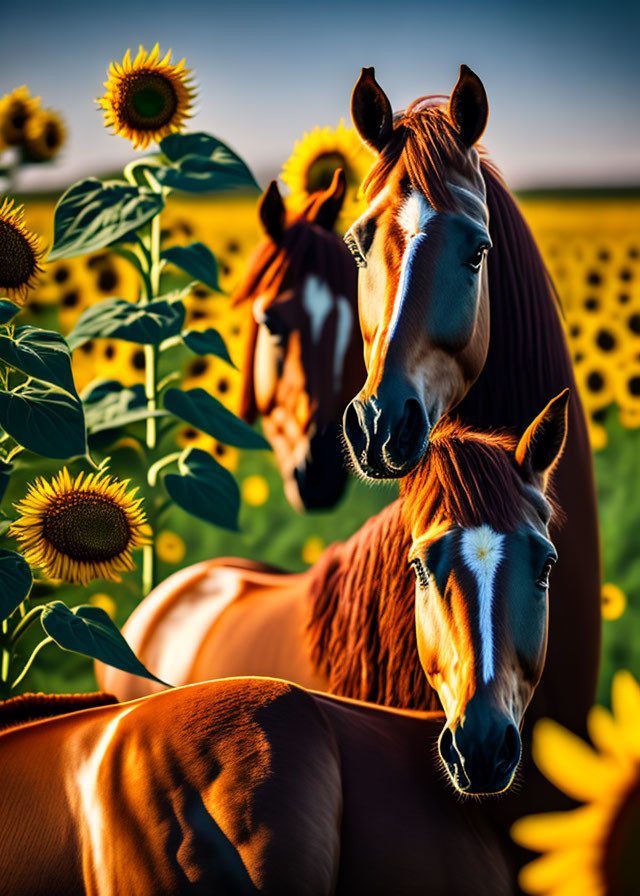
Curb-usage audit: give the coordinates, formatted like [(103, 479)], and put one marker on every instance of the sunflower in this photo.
[(147, 99), (627, 385), (170, 548), (255, 490), (591, 850), (20, 253), (44, 134), (80, 529), (613, 601), (314, 159), (595, 383), (16, 109)]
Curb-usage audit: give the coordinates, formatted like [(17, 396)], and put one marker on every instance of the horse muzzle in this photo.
[(481, 763), (386, 440)]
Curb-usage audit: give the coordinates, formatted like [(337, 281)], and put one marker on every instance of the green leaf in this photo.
[(45, 421), (197, 260), (89, 630), (197, 407), (7, 310), (5, 475), (202, 164), (41, 354), (15, 582), (205, 489), (116, 319), (111, 406), (93, 214), (207, 342)]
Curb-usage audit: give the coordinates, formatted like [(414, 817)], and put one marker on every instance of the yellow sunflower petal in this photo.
[(554, 869), (553, 830), (569, 763), (625, 699)]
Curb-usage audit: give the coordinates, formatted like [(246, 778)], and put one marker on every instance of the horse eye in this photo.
[(352, 246), (422, 573), (476, 259), (275, 326), (543, 579)]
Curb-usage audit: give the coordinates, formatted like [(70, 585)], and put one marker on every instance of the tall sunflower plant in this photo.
[(42, 416), (148, 100)]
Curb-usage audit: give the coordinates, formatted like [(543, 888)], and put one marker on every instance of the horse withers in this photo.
[(473, 522), (304, 357)]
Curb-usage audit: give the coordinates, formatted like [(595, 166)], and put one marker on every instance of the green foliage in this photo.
[(7, 311), (92, 215), (41, 354), (148, 324), (44, 420), (110, 406), (207, 342), (88, 630), (197, 407), (198, 261), (15, 582), (200, 163), (205, 489)]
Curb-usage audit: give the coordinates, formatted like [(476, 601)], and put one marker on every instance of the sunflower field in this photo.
[(195, 252)]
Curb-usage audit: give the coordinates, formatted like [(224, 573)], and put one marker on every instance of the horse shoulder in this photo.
[(229, 785)]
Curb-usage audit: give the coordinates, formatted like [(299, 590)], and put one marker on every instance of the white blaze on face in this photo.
[(317, 301), (482, 551), (413, 217), (343, 337)]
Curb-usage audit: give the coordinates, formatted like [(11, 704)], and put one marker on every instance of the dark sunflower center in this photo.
[(18, 262), (320, 172), (87, 526), (149, 101), (622, 846), (52, 135), (634, 386), (595, 382)]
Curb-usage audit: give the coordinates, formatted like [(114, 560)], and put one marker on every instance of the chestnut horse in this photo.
[(458, 312), (253, 785), (237, 787), (473, 521), (304, 356)]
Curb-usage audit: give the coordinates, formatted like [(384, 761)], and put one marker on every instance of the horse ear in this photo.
[(541, 445), (326, 208), (371, 111), (272, 212), (469, 106)]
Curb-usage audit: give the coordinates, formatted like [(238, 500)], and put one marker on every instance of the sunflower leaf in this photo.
[(5, 475), (110, 405), (205, 489), (197, 407), (41, 354), (117, 319), (89, 630), (7, 310), (44, 420), (197, 260), (92, 214), (15, 582), (202, 164), (207, 342)]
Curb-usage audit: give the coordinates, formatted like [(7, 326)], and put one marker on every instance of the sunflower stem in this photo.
[(25, 623), (35, 653)]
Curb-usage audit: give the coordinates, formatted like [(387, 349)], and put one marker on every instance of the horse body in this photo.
[(241, 786)]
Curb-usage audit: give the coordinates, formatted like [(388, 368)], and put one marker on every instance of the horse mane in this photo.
[(306, 249), (467, 478), (362, 621), (18, 711), (528, 354)]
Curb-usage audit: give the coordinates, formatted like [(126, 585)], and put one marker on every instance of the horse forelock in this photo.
[(26, 708), (468, 479)]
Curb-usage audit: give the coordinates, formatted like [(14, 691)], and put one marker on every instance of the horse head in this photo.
[(482, 557), (423, 288), (305, 350)]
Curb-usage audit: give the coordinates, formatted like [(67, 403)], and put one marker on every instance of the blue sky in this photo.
[(562, 78)]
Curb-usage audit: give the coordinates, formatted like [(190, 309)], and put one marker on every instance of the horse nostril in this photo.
[(447, 748), (509, 754), (352, 422), (412, 425)]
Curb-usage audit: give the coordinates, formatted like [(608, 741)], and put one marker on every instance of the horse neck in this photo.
[(362, 618), (528, 361)]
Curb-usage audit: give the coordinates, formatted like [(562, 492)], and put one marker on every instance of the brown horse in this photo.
[(304, 356), (458, 311), (238, 787), (473, 521)]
